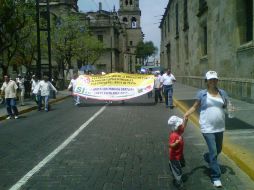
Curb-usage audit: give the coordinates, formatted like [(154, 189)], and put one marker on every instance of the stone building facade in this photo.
[(200, 35), (119, 31)]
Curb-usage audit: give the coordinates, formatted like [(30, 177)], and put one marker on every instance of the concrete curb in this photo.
[(35, 107), (241, 158)]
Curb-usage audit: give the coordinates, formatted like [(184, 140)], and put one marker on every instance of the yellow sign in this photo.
[(113, 86)]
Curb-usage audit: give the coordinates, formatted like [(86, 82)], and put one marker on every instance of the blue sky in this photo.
[(151, 13)]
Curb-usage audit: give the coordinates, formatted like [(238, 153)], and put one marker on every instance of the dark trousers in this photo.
[(150, 94), (168, 92), (157, 92), (176, 169), (11, 106)]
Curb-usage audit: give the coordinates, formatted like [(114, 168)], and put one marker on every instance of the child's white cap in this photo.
[(174, 122)]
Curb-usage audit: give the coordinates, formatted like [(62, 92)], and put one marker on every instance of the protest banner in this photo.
[(113, 86)]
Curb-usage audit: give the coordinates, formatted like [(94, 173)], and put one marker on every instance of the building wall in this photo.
[(225, 51), (228, 50)]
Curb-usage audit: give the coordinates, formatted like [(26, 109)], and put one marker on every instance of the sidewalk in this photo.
[(31, 105), (239, 134)]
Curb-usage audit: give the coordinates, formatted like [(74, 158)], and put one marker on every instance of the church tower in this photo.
[(130, 15)]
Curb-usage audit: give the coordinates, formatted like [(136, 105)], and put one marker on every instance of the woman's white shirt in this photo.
[(212, 119)]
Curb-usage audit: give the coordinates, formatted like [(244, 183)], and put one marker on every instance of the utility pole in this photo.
[(49, 41), (111, 56), (39, 65)]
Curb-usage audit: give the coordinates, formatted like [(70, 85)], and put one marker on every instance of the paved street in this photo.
[(123, 147)]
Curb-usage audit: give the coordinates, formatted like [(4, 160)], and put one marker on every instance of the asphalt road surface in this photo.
[(103, 146)]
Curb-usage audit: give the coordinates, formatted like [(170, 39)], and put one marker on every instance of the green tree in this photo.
[(27, 46), (90, 49), (65, 39), (72, 39), (144, 50), (14, 16)]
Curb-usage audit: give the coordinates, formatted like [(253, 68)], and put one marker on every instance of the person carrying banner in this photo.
[(72, 87)]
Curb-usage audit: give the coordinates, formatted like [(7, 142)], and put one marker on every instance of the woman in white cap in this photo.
[(212, 102)]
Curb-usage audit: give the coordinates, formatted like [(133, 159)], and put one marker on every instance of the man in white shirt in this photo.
[(167, 81), (44, 87), (157, 87), (72, 86), (35, 90), (20, 81), (9, 88)]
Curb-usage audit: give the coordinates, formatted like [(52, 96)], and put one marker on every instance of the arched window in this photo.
[(125, 19), (133, 22), (245, 20), (130, 2), (126, 2)]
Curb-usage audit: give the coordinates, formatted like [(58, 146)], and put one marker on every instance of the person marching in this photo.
[(21, 89), (176, 146), (9, 88), (72, 86), (35, 91), (157, 87), (44, 87), (212, 101), (167, 81)]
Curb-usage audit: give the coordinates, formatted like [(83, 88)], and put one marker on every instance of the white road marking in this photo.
[(37, 168)]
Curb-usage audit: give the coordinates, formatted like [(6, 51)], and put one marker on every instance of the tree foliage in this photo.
[(71, 39), (14, 17), (90, 49), (145, 49)]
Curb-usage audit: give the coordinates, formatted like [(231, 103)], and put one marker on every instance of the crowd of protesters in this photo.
[(25, 87)]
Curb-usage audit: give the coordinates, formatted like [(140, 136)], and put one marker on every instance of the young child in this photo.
[(176, 144)]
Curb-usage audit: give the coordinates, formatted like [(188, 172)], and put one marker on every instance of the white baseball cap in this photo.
[(211, 75), (174, 122)]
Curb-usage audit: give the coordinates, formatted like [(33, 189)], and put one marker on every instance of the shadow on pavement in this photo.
[(206, 171)]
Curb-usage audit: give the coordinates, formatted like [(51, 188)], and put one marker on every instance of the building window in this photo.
[(165, 28), (168, 23), (126, 2), (245, 20), (202, 4), (202, 7), (162, 37), (185, 16), (130, 2), (168, 55), (125, 19), (249, 20), (133, 22), (100, 38), (177, 25), (131, 43), (205, 40), (186, 46)]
